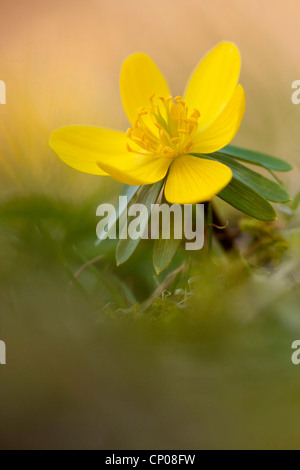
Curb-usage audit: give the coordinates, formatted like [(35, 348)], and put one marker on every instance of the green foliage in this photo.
[(256, 158), (267, 244), (245, 199), (147, 196), (91, 344), (164, 250), (266, 188)]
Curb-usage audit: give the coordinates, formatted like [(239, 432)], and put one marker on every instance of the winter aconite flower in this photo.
[(165, 130)]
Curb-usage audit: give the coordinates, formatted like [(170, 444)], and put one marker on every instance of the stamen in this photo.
[(188, 147), (195, 114), (142, 111), (174, 128)]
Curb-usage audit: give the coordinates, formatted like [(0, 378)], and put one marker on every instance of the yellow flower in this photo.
[(165, 130)]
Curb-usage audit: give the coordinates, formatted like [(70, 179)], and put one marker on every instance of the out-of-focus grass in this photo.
[(109, 360)]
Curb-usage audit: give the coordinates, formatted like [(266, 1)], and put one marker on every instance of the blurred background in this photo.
[(107, 358)]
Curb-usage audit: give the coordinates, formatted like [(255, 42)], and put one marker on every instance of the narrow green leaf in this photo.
[(164, 251), (147, 196), (248, 201), (128, 191), (256, 158), (263, 186)]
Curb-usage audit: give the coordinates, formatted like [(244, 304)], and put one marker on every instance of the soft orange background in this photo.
[(61, 60)]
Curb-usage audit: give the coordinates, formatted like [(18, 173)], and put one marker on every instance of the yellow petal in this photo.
[(213, 82), (103, 151), (81, 147), (135, 169), (139, 79), (193, 180), (221, 132)]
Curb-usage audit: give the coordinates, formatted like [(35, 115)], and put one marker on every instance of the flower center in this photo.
[(164, 128)]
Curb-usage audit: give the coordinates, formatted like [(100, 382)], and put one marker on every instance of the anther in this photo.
[(188, 147), (195, 113), (142, 111)]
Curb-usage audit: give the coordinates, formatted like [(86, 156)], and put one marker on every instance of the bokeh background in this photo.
[(89, 366)]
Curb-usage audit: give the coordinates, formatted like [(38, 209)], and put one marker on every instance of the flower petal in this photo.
[(81, 147), (192, 180), (221, 132), (103, 151), (135, 169), (139, 79), (213, 82)]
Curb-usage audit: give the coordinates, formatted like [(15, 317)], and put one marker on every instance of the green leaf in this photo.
[(147, 196), (256, 158), (248, 201), (164, 251), (263, 186), (128, 191)]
